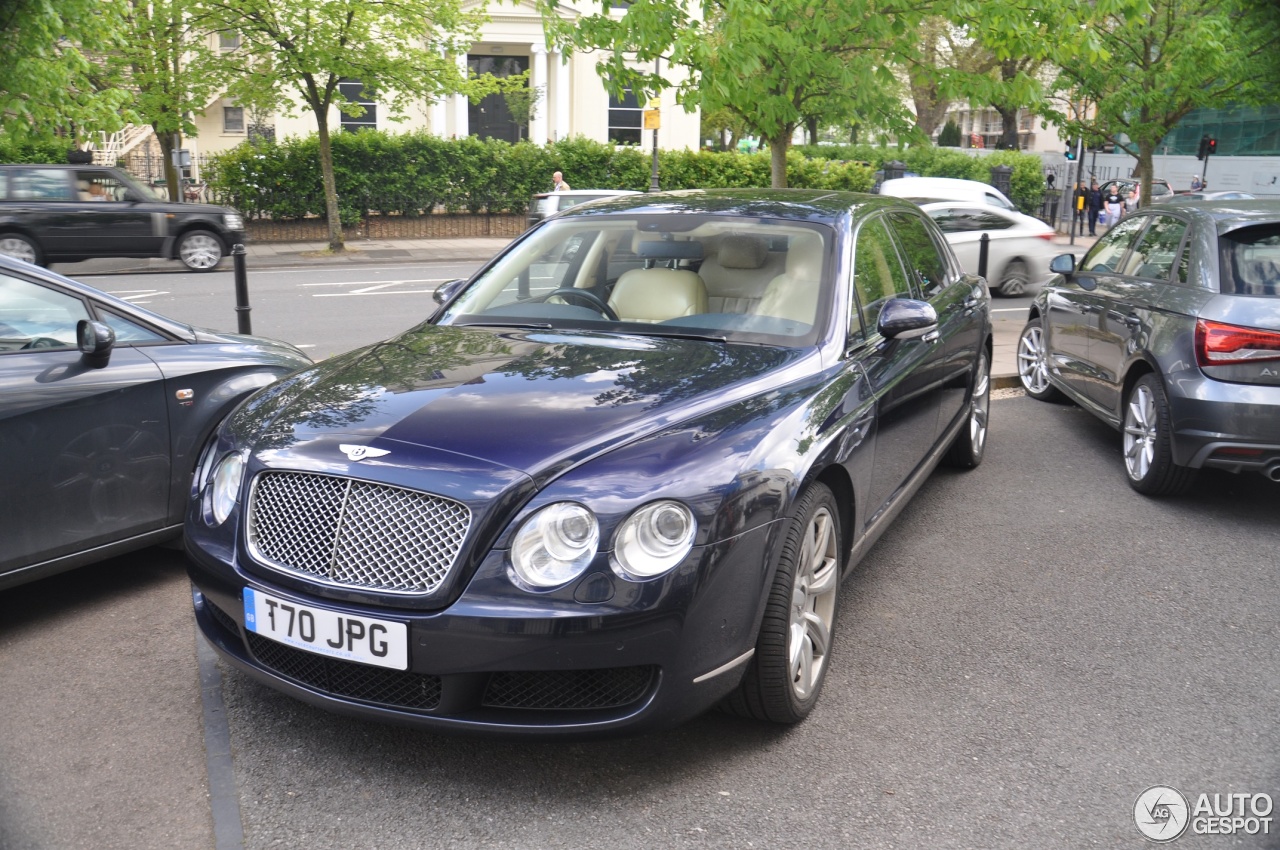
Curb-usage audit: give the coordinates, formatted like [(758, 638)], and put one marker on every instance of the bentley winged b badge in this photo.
[(361, 452)]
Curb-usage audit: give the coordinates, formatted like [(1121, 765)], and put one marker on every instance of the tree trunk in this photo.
[(1146, 154), (811, 127), (172, 175), (778, 157), (330, 183), (1008, 128)]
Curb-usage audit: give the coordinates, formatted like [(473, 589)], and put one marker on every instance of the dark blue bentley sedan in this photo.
[(613, 481)]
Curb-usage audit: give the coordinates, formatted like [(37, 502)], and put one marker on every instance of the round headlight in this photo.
[(227, 478), (555, 545), (654, 539)]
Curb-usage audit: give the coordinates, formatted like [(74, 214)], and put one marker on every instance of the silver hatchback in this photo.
[(1169, 330)]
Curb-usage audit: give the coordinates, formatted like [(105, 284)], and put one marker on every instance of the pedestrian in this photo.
[(1093, 203), (1131, 202), (1196, 184), (1079, 202), (558, 179), (1113, 201), (1048, 179)]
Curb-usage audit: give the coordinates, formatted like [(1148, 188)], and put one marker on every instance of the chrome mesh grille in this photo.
[(353, 533)]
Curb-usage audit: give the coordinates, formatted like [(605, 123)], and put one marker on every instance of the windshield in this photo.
[(721, 277)]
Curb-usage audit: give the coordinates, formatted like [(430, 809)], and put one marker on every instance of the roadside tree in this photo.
[(293, 52)]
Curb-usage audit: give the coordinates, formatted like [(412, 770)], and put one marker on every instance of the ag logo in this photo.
[(1161, 813), (361, 452)]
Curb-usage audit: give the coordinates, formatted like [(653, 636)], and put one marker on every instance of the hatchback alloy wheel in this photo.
[(1148, 454), (1033, 363)]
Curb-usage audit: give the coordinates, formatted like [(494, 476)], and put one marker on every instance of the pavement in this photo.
[(1006, 325)]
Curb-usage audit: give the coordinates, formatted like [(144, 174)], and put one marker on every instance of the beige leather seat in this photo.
[(737, 274), (655, 295), (794, 293)]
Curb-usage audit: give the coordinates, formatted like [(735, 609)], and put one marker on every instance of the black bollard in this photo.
[(983, 244), (242, 290)]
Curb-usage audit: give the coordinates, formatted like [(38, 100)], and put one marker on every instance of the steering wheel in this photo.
[(595, 302), (44, 342)]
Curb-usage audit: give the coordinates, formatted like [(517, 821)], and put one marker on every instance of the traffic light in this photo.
[(1204, 147), (1071, 150), (1213, 147)]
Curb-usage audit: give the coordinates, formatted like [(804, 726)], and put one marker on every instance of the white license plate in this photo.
[(363, 639)]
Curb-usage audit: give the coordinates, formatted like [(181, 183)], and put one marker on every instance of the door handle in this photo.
[(1133, 322)]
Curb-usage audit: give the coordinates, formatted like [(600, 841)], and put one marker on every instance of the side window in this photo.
[(41, 184), (877, 274), (1106, 255), (128, 331), (921, 252), (99, 186), (1157, 251), (967, 219), (34, 317)]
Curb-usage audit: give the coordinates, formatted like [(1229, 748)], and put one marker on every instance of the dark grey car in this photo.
[(67, 213), (105, 408), (1169, 330)]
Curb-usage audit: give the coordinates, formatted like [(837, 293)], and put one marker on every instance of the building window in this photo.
[(228, 40), (233, 119), (354, 91), (626, 118), (491, 118)]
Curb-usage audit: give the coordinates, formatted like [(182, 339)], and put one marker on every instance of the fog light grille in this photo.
[(550, 690)]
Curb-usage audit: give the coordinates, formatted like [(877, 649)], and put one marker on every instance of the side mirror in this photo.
[(95, 341), (1063, 264), (906, 318), (447, 290)]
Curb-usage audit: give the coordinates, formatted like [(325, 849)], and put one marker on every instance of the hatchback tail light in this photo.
[(1218, 344), (1048, 236)]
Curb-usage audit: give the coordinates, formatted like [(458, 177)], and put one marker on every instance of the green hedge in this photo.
[(413, 174), (48, 151)]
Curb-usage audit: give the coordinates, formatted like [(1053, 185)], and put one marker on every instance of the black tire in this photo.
[(200, 250), (1015, 279), (21, 247), (970, 444), (1147, 442), (785, 676), (1033, 366)]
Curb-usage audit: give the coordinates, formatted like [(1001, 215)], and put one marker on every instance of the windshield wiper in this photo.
[(680, 335), (535, 326)]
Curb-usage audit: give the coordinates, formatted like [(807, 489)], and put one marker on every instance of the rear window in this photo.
[(1251, 260)]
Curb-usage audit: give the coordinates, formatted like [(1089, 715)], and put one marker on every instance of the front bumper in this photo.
[(501, 661)]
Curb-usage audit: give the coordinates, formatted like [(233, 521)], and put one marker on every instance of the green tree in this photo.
[(769, 63), (521, 99), (163, 63), (49, 84), (293, 51), (949, 136), (1159, 65)]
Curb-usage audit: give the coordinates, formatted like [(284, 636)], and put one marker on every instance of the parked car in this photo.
[(546, 204), (1205, 196), (66, 213), (1019, 247), (1160, 189), (613, 481), (1169, 330), (106, 407), (946, 189)]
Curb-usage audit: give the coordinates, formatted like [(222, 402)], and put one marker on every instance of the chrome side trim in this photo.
[(725, 668)]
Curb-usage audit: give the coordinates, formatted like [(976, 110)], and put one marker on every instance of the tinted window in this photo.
[(35, 317), (128, 331), (1156, 253), (1251, 260), (920, 252), (1106, 255), (878, 274), (40, 184)]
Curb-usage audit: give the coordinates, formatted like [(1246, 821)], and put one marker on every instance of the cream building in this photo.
[(573, 100)]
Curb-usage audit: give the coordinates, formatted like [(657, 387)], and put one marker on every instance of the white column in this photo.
[(439, 113), (538, 126), (460, 121), (560, 113)]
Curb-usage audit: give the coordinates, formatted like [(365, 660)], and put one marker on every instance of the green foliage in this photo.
[(949, 135), (33, 150)]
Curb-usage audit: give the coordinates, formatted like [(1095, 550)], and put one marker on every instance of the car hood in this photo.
[(533, 401)]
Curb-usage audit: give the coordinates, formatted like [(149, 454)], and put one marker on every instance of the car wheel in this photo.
[(200, 250), (19, 247), (1015, 279), (967, 448), (1033, 365), (794, 647), (1148, 448)]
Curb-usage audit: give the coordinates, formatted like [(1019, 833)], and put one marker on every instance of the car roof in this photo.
[(810, 204), (592, 192), (1227, 215)]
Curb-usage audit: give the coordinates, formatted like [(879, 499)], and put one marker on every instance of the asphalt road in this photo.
[(1028, 648)]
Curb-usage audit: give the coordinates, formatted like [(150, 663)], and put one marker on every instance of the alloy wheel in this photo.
[(18, 249), (1140, 432), (813, 604), (200, 251), (1033, 371)]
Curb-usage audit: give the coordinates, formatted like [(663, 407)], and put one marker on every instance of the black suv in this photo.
[(66, 213)]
